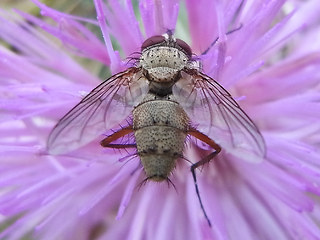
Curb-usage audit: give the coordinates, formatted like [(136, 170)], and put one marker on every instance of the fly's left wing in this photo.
[(216, 114), (105, 106)]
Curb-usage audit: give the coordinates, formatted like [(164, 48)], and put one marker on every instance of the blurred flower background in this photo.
[(50, 57)]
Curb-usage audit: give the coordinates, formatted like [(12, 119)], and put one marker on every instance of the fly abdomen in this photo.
[(158, 148), (160, 130)]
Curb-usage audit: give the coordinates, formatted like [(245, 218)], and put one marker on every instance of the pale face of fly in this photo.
[(163, 58)]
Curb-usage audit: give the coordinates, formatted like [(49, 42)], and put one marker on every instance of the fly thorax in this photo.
[(163, 63)]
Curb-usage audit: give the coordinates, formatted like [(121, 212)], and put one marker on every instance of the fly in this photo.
[(167, 96)]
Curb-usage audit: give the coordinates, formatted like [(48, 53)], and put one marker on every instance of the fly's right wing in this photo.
[(105, 106), (216, 114)]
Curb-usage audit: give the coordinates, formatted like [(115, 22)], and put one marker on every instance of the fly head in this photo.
[(162, 59)]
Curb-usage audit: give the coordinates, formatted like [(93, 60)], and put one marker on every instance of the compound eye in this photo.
[(184, 46), (152, 41)]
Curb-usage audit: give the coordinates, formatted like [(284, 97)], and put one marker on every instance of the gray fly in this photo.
[(168, 99)]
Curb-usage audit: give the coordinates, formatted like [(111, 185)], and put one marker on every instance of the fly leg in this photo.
[(107, 142), (203, 161)]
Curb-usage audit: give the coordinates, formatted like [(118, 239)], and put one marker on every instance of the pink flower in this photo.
[(270, 64)]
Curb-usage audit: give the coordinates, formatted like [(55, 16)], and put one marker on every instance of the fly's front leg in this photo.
[(107, 142), (203, 161)]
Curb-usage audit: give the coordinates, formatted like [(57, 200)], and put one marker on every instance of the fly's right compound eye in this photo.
[(152, 41), (184, 46)]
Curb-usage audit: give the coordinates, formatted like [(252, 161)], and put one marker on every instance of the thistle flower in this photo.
[(270, 65)]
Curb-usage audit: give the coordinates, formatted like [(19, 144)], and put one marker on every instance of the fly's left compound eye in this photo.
[(152, 41), (184, 46)]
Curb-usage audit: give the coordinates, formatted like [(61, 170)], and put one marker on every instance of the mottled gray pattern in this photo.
[(160, 126), (160, 123)]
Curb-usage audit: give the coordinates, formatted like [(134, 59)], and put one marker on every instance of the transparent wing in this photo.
[(218, 115), (105, 106)]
